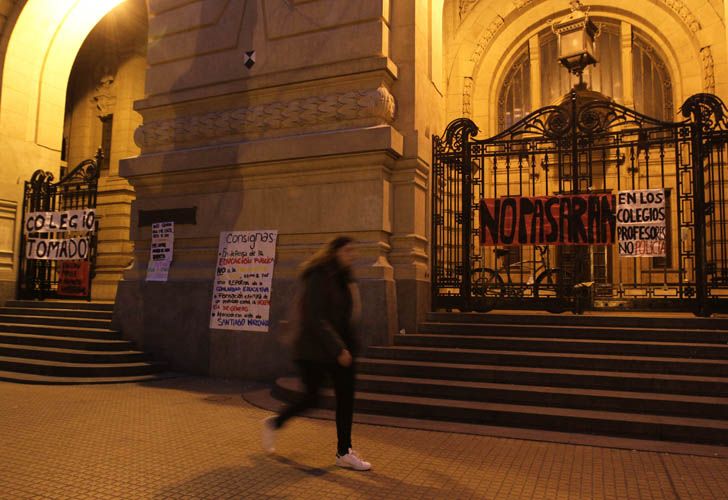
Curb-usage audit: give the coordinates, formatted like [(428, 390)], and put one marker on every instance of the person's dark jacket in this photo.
[(326, 315)]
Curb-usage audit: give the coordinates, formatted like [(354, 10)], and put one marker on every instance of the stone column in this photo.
[(420, 114), (534, 51), (115, 250), (627, 69)]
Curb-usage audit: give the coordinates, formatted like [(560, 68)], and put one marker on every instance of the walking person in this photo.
[(326, 344)]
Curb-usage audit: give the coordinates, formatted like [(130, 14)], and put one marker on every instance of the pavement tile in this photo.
[(197, 438)]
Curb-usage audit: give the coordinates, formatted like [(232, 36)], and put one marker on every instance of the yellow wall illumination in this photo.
[(436, 49), (41, 52)]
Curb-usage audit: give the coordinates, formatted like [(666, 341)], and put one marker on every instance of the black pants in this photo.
[(313, 375)]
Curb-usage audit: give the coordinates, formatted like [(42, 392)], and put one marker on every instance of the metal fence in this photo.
[(77, 190), (574, 158)]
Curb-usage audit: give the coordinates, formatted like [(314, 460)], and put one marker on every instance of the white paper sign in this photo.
[(162, 251), (641, 223), (241, 295)]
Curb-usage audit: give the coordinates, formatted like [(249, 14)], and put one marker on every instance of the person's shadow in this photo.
[(281, 477)]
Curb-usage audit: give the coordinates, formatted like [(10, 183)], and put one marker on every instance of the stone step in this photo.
[(62, 304), (55, 312), (560, 345), (60, 331), (68, 342), (71, 355), (576, 332), (611, 320), (30, 378), (64, 369), (575, 361), (633, 425), (44, 320), (589, 379), (84, 343), (579, 398)]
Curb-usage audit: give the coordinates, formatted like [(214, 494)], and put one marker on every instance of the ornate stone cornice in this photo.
[(377, 104)]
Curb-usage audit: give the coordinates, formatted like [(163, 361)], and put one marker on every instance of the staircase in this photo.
[(657, 378), (67, 342)]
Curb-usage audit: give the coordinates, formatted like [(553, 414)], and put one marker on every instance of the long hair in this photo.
[(326, 255)]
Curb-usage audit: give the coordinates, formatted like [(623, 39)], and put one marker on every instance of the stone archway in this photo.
[(481, 37), (41, 41)]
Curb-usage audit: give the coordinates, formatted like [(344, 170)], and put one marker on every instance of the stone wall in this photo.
[(303, 142)]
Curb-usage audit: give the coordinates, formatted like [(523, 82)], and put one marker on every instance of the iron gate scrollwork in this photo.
[(76, 190), (585, 146)]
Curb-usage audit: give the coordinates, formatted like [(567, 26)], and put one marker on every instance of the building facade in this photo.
[(310, 117)]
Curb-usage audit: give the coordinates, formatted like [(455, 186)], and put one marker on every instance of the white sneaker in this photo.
[(268, 434), (352, 461)]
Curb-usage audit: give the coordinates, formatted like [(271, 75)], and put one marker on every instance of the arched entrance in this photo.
[(500, 65), (40, 111)]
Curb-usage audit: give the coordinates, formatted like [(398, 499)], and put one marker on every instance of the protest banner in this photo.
[(244, 275), (161, 252), (59, 222), (548, 220), (641, 223), (73, 278), (57, 249)]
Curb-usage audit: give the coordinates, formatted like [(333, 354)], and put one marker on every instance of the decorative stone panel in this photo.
[(706, 57), (377, 104)]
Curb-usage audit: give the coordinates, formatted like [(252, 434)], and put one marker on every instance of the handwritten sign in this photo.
[(241, 295), (67, 247), (641, 223), (59, 222), (161, 252), (548, 220), (73, 278), (57, 249)]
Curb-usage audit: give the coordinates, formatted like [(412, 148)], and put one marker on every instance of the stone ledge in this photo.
[(342, 142)]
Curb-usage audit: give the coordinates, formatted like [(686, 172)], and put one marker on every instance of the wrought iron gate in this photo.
[(77, 190), (586, 145)]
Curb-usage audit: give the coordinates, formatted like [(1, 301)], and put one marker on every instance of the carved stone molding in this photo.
[(375, 104), (465, 7), (683, 12), (521, 3), (706, 57), (487, 37), (677, 6), (105, 96), (467, 96)]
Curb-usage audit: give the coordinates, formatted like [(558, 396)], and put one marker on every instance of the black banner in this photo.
[(548, 220)]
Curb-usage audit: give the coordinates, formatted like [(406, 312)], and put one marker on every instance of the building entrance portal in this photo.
[(58, 240), (586, 201)]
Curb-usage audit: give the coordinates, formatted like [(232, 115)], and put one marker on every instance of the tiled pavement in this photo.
[(197, 438)]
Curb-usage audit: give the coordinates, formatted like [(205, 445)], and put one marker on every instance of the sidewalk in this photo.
[(197, 438)]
